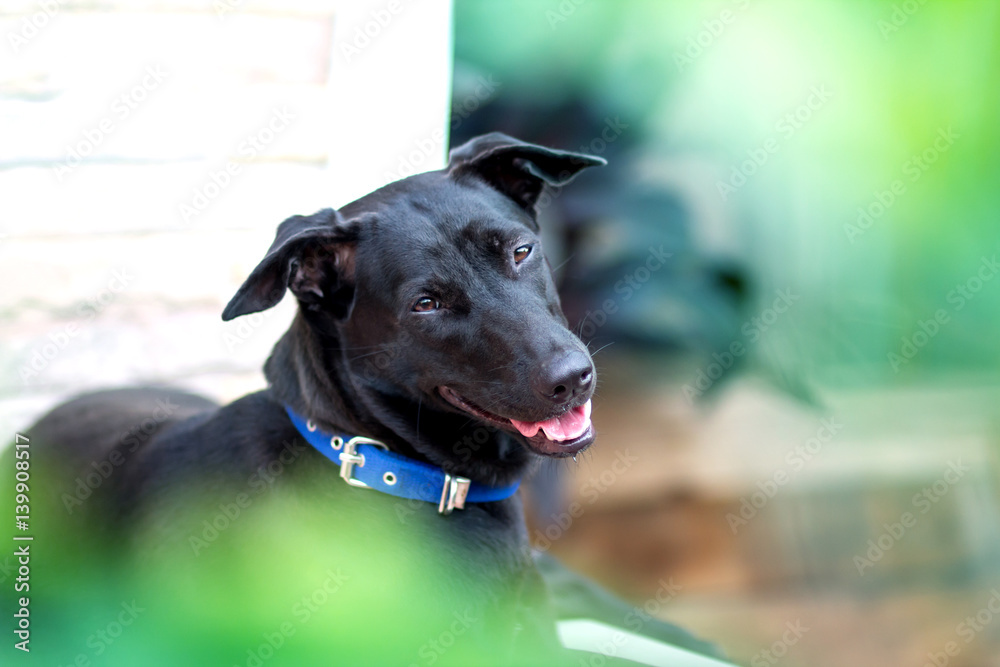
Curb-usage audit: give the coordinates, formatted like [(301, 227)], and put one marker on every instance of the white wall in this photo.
[(199, 127)]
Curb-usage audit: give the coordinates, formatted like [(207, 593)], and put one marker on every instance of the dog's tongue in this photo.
[(569, 426)]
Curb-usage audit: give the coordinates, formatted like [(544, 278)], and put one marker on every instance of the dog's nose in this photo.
[(565, 377)]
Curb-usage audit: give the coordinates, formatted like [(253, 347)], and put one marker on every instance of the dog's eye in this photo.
[(521, 253), (426, 305)]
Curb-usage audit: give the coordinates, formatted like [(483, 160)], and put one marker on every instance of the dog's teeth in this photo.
[(574, 458)]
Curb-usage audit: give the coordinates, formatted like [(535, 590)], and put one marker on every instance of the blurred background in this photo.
[(788, 271)]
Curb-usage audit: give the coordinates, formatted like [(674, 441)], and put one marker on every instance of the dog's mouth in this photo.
[(562, 435)]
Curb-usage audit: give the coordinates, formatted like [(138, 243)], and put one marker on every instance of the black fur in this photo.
[(358, 359)]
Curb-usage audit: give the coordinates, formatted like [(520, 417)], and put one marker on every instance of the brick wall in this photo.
[(149, 149)]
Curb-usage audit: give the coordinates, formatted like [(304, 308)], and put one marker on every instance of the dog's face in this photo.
[(441, 296)]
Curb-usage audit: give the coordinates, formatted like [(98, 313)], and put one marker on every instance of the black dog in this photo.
[(429, 360), (429, 323)]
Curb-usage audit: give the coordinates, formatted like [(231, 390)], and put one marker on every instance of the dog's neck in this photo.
[(307, 372)]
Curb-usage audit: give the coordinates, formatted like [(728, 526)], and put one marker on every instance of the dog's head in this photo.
[(436, 296)]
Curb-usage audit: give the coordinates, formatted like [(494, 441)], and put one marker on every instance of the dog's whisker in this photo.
[(564, 263), (603, 347), (420, 402), (505, 366), (370, 354)]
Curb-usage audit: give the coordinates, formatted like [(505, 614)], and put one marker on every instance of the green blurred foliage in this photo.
[(278, 580), (712, 83)]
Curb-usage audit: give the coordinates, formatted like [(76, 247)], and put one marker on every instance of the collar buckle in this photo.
[(453, 493), (400, 476), (350, 458)]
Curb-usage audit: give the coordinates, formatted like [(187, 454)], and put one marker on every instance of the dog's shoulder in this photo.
[(232, 439)]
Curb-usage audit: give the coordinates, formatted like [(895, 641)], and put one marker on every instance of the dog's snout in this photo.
[(565, 377)]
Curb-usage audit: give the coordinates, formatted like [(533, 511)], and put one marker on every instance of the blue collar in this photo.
[(369, 464)]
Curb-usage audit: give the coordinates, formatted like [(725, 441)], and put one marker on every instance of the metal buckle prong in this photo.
[(453, 493), (350, 458)]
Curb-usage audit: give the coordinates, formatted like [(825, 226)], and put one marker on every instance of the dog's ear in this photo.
[(313, 256), (516, 168)]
